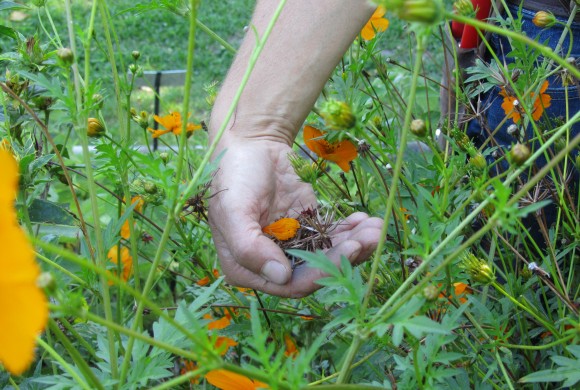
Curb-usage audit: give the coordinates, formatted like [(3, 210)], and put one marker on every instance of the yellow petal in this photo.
[(283, 229), (24, 305)]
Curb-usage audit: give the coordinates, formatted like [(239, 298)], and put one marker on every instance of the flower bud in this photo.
[(337, 115), (431, 292), (418, 128), (519, 154), (478, 162), (133, 68), (422, 11), (98, 100), (464, 7), (135, 54), (65, 55), (544, 19), (95, 128), (164, 156), (307, 172), (46, 282), (150, 187), (477, 269)]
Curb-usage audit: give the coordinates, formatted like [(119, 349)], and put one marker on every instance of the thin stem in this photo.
[(65, 366)]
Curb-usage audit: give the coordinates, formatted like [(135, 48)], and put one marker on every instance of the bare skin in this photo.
[(259, 183)]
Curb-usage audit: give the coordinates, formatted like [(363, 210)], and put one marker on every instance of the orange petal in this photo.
[(313, 138), (24, 305), (344, 153), (219, 323), (291, 348), (227, 380), (283, 229), (225, 341)]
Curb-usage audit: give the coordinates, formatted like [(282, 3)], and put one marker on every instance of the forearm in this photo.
[(305, 45)]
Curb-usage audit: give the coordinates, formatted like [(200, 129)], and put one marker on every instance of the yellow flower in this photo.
[(283, 229), (341, 152), (227, 380), (125, 229), (24, 305), (172, 124), (376, 23)]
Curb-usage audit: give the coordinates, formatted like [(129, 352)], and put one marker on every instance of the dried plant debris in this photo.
[(310, 230)]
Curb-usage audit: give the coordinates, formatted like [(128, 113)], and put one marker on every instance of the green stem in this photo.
[(175, 190), (61, 269), (80, 363), (539, 347), (215, 37), (351, 354), (65, 366), (544, 50)]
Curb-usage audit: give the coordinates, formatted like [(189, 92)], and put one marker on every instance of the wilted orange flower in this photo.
[(172, 124), (511, 110), (126, 261), (291, 349), (376, 23), (283, 229), (205, 280), (125, 231), (227, 380), (24, 305), (341, 152)]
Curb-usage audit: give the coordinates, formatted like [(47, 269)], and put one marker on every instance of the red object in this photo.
[(457, 29), (469, 37)]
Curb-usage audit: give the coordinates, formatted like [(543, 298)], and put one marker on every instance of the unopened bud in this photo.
[(464, 7), (135, 54), (544, 19), (478, 269), (164, 156), (95, 128), (418, 128), (478, 162), (98, 100), (46, 282), (338, 115), (65, 55), (519, 154), (149, 187), (431, 292), (422, 11)]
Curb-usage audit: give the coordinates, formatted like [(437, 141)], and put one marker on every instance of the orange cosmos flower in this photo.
[(125, 231), (225, 341), (172, 124), (188, 366), (512, 110), (376, 23), (227, 380), (126, 261), (204, 281), (341, 152), (24, 305), (291, 349), (460, 290), (283, 229)]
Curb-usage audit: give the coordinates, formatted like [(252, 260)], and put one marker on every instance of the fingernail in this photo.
[(275, 272)]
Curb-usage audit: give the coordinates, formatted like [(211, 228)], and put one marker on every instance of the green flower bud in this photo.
[(307, 172), (418, 128), (98, 101), (135, 54), (337, 115), (464, 7), (150, 187), (477, 269), (431, 292), (65, 55), (478, 162), (519, 154), (164, 156), (423, 11), (95, 128), (46, 282), (544, 19)]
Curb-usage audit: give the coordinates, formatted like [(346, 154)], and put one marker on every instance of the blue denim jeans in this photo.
[(492, 101)]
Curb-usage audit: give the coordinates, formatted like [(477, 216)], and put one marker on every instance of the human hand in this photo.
[(258, 185)]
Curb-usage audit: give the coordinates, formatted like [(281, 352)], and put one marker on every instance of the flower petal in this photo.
[(227, 380), (283, 229), (24, 305)]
